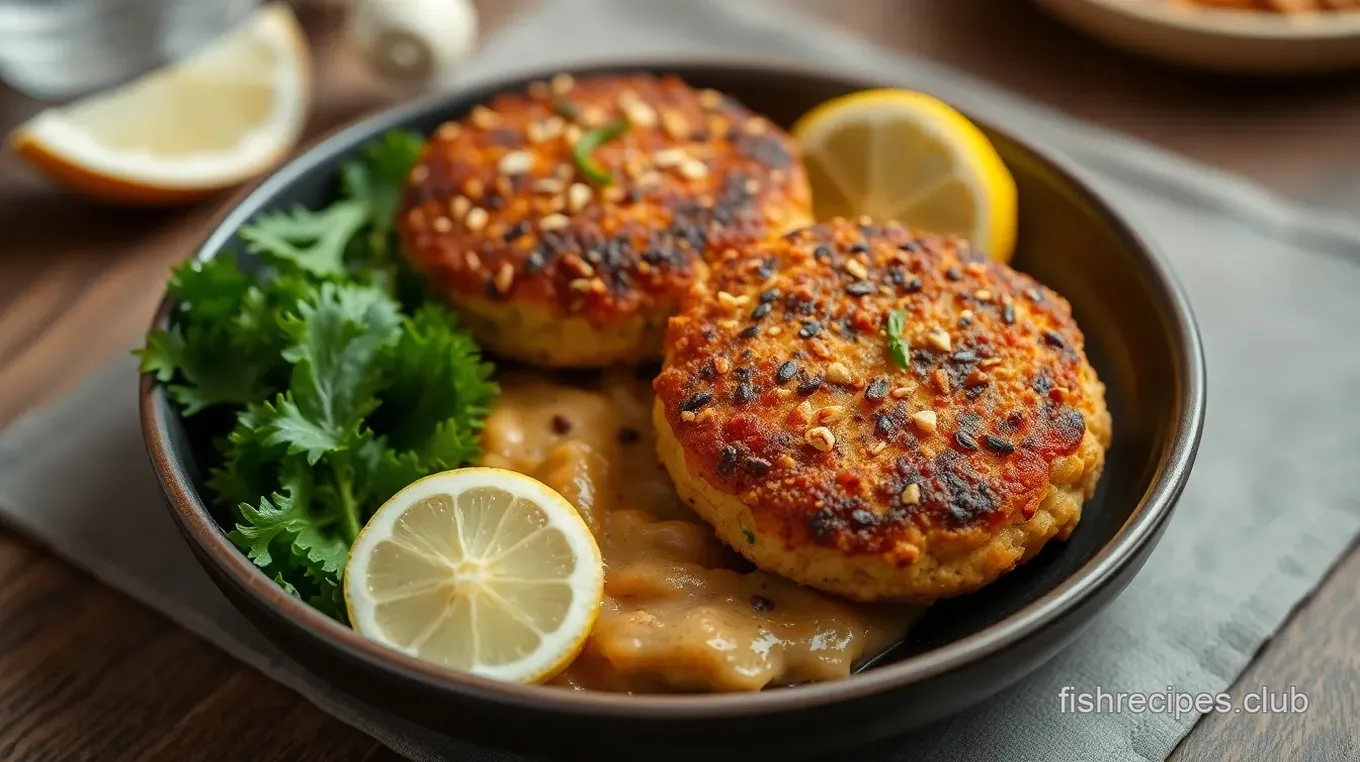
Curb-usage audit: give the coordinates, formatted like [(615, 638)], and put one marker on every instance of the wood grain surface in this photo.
[(86, 674)]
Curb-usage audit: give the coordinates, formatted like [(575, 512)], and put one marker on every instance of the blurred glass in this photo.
[(58, 49)]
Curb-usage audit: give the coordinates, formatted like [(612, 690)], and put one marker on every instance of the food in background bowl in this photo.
[(873, 417), (1278, 6)]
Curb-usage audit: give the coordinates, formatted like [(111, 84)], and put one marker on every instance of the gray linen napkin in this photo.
[(1268, 510)]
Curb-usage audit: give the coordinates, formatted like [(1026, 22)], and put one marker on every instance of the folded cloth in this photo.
[(1270, 506)]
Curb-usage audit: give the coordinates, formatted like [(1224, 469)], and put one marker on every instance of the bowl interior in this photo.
[(1066, 240)]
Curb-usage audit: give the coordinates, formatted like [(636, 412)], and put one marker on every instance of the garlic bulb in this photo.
[(412, 41)]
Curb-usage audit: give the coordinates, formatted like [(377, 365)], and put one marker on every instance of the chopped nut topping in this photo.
[(965, 316), (687, 416), (939, 339), (515, 163), (637, 112), (982, 295), (694, 169), (912, 494), (476, 219), (729, 302), (485, 118), (901, 392), (548, 185), (505, 277), (675, 125), (804, 410), (925, 420), (722, 365), (783, 392), (554, 222), (878, 447), (562, 83), (459, 207), (856, 268), (670, 157), (940, 379), (837, 373), (578, 196), (821, 438), (830, 413), (989, 362), (787, 461)]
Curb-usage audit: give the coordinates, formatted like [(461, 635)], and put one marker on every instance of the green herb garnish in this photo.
[(586, 146), (901, 353), (750, 536), (327, 393), (566, 109)]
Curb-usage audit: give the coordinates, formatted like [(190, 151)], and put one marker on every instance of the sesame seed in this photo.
[(821, 438), (856, 268), (579, 284), (878, 447), (554, 222), (901, 392), (442, 224), (694, 169), (485, 118), (505, 277), (975, 268), (912, 494), (998, 445), (966, 317), (649, 179), (837, 373), (548, 185), (751, 186), (593, 116), (860, 288), (562, 83), (710, 99), (578, 196), (775, 330), (722, 365), (476, 219), (925, 420), (982, 295), (819, 349), (572, 133), (1008, 314), (965, 440), (804, 411), (783, 393)]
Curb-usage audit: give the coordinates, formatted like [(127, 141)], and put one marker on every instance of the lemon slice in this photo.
[(901, 155), (231, 111), (482, 570)]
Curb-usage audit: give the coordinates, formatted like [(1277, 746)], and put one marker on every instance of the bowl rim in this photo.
[(1143, 526), (1233, 22)]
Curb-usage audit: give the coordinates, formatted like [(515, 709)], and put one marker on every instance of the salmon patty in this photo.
[(909, 468), (566, 223)]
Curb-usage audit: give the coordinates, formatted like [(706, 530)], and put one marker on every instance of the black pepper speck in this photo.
[(965, 440), (810, 385), (998, 445), (696, 401), (877, 390), (785, 372), (810, 329)]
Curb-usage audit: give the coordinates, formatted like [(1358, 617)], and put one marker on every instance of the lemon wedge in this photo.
[(482, 570), (229, 112), (901, 155)]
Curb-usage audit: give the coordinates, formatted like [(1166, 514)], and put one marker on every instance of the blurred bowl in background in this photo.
[(60, 49), (1219, 39)]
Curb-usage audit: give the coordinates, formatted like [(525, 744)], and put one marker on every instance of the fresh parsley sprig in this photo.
[(897, 347), (334, 394)]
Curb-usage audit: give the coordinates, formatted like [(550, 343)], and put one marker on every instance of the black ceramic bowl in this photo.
[(1140, 336)]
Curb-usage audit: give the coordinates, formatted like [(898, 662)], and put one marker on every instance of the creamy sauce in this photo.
[(681, 611)]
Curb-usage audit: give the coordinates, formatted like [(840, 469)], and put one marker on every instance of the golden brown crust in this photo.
[(497, 210), (786, 345)]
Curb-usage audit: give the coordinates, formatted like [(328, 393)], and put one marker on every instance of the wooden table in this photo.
[(85, 673)]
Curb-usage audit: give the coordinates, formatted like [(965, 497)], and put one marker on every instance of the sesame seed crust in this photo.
[(935, 460), (693, 174)]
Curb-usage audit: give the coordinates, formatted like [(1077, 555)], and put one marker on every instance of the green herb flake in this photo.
[(750, 536), (901, 353), (585, 148)]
